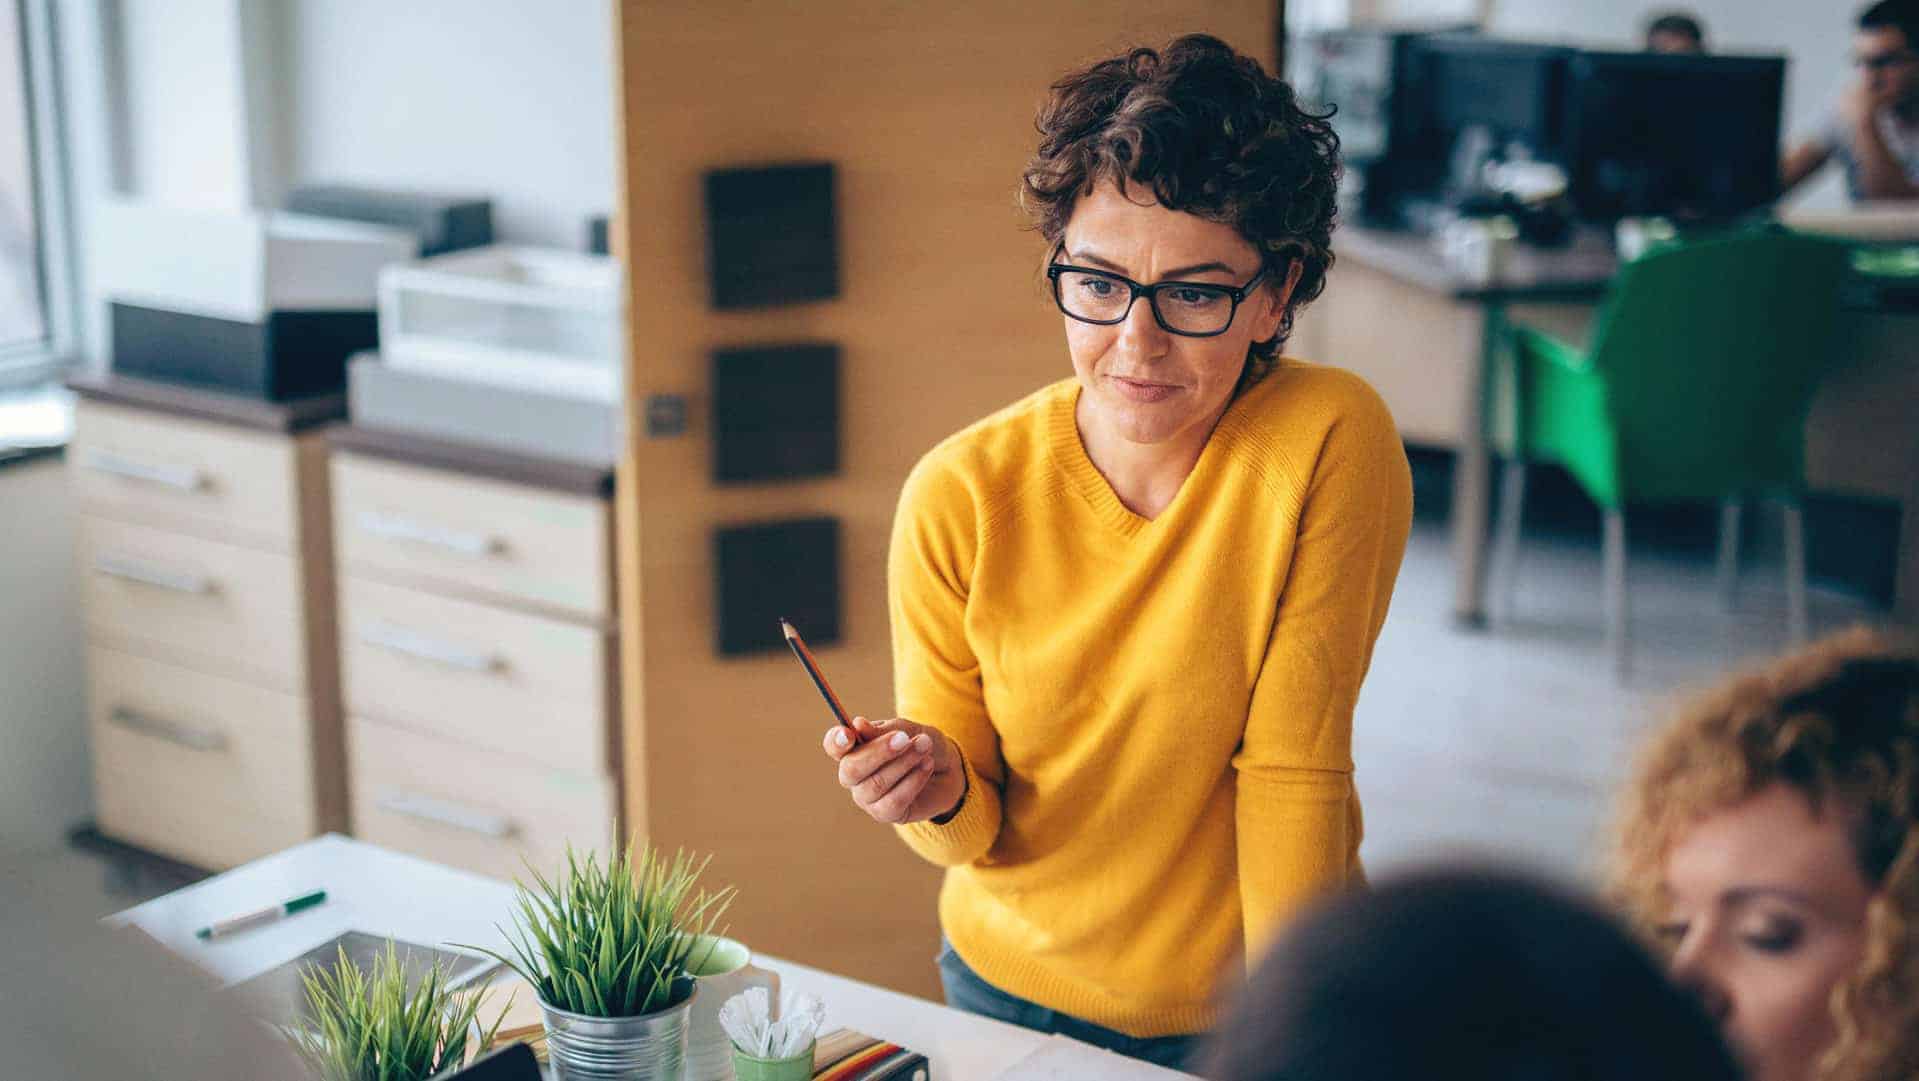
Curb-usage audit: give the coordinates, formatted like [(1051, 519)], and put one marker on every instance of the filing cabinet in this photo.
[(478, 650), (206, 559)]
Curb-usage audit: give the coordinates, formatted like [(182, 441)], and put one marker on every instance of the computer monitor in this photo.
[(1511, 90), (1691, 137), (1374, 81), (1364, 74)]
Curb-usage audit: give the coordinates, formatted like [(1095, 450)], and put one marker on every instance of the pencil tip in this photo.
[(787, 628)]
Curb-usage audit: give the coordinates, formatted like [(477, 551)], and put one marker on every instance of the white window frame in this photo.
[(56, 351)]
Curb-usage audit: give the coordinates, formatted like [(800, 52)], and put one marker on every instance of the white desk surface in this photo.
[(381, 892)]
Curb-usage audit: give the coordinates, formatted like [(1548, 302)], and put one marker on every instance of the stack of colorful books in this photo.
[(846, 1055)]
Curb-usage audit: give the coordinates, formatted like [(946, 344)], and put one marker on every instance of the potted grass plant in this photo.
[(370, 1026), (612, 952)]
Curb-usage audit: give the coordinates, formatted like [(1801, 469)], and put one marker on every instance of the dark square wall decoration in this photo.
[(772, 235), (772, 570), (776, 412)]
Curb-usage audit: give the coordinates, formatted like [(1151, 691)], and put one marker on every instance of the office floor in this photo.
[(1510, 743), (1505, 743)]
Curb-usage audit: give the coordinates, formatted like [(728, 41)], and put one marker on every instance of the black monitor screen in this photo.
[(1511, 90), (1689, 137)]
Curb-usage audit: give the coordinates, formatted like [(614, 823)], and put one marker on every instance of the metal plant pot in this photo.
[(650, 1047)]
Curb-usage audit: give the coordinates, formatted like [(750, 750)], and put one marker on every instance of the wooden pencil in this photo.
[(812, 667)]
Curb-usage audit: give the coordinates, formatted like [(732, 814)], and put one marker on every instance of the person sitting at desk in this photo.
[(1675, 32), (1875, 129), (1131, 612)]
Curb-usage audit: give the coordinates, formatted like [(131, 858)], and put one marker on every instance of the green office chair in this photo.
[(1703, 363)]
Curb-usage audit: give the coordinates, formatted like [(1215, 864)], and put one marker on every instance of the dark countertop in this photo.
[(1580, 271), (282, 417), (525, 469), (327, 411), (12, 456)]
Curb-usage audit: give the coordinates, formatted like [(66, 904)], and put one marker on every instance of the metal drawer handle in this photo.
[(394, 527), (440, 812), (420, 647), (193, 739), (178, 581), (183, 477)]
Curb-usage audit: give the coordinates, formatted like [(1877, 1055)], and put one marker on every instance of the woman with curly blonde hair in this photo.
[(1770, 844)]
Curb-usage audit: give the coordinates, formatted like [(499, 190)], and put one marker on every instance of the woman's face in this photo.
[(1768, 915), (1139, 382)]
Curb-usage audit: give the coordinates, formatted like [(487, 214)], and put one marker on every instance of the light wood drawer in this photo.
[(204, 769), (505, 681), (213, 606), (476, 537), (474, 809), (187, 474)]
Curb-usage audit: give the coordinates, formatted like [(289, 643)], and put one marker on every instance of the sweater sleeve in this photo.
[(1295, 804), (936, 677)]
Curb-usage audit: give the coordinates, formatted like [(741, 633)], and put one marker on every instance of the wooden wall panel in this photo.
[(927, 111)]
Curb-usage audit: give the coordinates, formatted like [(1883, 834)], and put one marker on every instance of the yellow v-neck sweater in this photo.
[(1155, 715)]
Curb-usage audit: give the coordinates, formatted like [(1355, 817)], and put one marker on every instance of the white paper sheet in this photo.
[(1061, 1059)]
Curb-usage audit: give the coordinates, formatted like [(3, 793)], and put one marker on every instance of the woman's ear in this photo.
[(1278, 295)]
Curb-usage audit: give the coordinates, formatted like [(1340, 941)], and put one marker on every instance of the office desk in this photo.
[(1427, 339), (382, 892)]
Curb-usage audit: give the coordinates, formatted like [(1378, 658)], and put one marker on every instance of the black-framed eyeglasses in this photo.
[(1189, 309)]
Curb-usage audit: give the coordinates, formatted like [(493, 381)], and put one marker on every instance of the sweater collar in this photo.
[(1069, 455)]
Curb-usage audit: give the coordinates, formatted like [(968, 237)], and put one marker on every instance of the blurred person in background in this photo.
[(1468, 974), (1769, 843), (1675, 32), (1874, 129)]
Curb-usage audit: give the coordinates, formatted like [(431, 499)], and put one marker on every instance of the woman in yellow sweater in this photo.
[(1131, 613)]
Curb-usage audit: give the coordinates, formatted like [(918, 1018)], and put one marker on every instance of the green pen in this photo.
[(281, 911)]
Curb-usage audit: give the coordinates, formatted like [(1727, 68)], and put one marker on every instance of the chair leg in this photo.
[(1613, 554), (1795, 573), (1729, 525), (1512, 504)]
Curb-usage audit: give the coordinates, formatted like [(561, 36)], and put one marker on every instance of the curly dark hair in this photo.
[(1208, 132)]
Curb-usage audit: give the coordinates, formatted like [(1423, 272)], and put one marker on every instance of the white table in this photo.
[(380, 892)]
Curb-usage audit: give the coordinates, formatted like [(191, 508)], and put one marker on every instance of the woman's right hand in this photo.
[(899, 771)]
